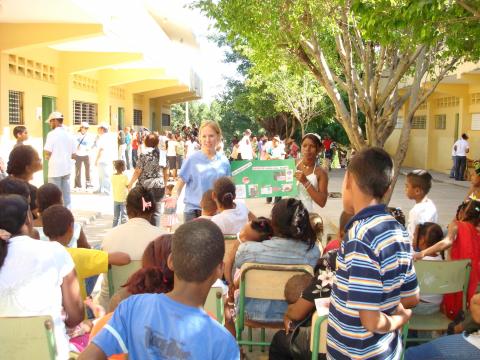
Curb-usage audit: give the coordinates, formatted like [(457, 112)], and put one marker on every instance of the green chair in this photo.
[(264, 282), (118, 275), (214, 303), (27, 338), (318, 335), (439, 278)]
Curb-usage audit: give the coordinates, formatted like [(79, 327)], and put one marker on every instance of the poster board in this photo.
[(264, 178)]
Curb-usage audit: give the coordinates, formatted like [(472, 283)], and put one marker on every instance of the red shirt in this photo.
[(327, 143)]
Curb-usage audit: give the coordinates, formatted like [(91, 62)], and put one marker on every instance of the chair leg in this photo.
[(250, 347), (262, 338)]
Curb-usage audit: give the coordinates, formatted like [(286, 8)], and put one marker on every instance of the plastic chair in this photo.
[(318, 335), (214, 303), (439, 278), (118, 275), (266, 282), (229, 242), (27, 338)]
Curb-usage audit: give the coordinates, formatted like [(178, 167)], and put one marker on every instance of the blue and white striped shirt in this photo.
[(374, 271)]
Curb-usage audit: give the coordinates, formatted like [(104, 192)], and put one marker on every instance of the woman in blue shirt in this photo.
[(201, 169)]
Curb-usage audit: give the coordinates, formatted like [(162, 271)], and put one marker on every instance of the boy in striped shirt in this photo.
[(375, 281)]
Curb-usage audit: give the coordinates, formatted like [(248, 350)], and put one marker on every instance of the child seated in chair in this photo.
[(426, 235), (169, 326), (208, 205)]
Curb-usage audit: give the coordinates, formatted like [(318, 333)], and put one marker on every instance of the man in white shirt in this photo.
[(461, 148), (59, 149), (84, 143), (245, 146), (107, 150)]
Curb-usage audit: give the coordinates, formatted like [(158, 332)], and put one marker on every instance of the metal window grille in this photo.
[(15, 107), (441, 122), (419, 122), (137, 117), (165, 119), (83, 111)]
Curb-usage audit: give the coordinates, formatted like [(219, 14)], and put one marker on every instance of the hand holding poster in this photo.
[(264, 178)]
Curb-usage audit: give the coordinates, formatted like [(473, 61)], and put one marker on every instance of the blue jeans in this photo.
[(454, 165), (119, 213), (63, 183), (104, 174), (453, 347), (461, 163), (191, 215)]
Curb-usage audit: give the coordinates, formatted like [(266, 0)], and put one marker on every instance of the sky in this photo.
[(211, 67)]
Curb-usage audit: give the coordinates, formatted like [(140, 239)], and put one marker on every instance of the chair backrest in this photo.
[(442, 277), (267, 281), (27, 338), (214, 302), (318, 338), (230, 240), (118, 275)]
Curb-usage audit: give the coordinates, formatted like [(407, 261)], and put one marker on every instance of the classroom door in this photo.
[(121, 118), (49, 104)]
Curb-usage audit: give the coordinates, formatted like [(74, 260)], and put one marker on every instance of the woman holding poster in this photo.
[(313, 180), (201, 169)]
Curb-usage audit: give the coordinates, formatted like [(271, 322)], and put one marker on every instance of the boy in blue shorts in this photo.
[(173, 325), (375, 281)]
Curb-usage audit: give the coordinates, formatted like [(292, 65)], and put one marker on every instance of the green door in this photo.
[(121, 118), (48, 105)]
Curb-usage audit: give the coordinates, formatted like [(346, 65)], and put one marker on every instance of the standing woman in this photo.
[(313, 180), (201, 169), (149, 173)]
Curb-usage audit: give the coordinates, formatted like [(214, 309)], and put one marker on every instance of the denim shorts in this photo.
[(265, 310)]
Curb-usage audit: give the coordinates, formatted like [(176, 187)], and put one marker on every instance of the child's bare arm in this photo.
[(299, 310), (92, 352), (410, 301), (118, 258), (230, 259), (378, 322)]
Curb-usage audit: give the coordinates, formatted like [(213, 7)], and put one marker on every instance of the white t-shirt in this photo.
[(245, 148), (171, 147), (30, 283), (83, 143), (424, 211), (462, 147), (277, 152), (453, 150), (233, 220), (108, 144), (61, 145)]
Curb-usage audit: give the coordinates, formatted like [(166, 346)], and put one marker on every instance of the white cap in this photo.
[(104, 125), (54, 115), (84, 124)]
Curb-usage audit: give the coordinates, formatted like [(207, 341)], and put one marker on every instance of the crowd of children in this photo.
[(367, 272)]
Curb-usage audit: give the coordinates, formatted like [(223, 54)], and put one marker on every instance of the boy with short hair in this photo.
[(375, 279), (173, 325), (21, 135), (417, 186), (208, 205), (58, 226)]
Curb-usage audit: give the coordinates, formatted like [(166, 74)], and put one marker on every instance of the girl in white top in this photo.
[(313, 180), (232, 216), (36, 277)]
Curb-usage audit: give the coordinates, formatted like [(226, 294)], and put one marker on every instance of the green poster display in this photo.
[(264, 178)]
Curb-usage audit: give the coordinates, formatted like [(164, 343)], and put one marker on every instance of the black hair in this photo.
[(20, 157), (19, 129), (13, 214), (291, 220), (372, 169), (119, 165), (472, 212), (432, 232), (48, 195), (461, 208), (398, 214), (315, 138), (197, 249), (464, 136), (263, 226), (207, 203), (56, 221), (224, 189), (420, 179), (11, 186), (140, 202)]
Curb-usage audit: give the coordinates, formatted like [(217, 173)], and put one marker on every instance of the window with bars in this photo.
[(84, 111), (441, 122), (15, 107), (165, 119), (419, 122), (137, 117)]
